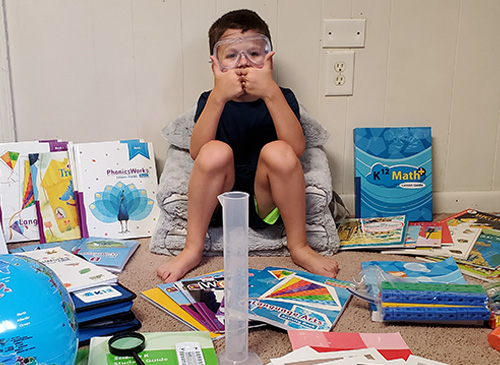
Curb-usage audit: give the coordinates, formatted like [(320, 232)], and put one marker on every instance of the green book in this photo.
[(160, 348)]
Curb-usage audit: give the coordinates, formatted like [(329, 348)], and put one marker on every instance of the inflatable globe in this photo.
[(37, 315)]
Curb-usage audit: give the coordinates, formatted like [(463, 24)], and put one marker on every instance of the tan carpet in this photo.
[(449, 344)]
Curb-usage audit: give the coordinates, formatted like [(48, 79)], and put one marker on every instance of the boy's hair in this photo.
[(243, 19)]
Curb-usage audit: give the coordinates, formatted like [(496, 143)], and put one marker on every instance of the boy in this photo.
[(247, 137)]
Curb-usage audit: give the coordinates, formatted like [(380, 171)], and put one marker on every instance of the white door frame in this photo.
[(7, 116)]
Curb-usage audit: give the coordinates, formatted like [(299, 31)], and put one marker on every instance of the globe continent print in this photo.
[(37, 315)]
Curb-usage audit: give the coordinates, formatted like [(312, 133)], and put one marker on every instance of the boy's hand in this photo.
[(227, 84), (259, 82)]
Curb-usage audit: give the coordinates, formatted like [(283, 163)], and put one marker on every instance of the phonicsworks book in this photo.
[(116, 186)]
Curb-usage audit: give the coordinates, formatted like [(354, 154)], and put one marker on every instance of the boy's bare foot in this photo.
[(313, 262), (179, 266)]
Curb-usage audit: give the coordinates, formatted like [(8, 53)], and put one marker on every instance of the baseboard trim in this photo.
[(452, 202)]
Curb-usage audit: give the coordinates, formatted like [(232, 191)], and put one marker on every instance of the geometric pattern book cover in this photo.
[(116, 186), (293, 299), (393, 172), (18, 215)]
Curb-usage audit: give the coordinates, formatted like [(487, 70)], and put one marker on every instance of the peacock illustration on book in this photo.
[(116, 188), (121, 203)]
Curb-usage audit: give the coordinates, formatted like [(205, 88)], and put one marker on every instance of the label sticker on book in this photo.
[(97, 294)]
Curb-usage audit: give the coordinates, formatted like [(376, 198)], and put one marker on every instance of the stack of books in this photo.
[(110, 254), (55, 191), (104, 310), (103, 306), (482, 262), (471, 237), (285, 298), (83, 202)]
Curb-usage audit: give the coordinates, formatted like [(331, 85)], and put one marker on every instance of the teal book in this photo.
[(111, 254), (393, 172)]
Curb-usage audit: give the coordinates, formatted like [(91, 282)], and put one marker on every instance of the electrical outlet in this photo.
[(339, 72), (339, 66), (339, 80)]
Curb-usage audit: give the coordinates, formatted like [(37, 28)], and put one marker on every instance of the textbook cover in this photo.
[(163, 302), (484, 252), (116, 186), (111, 254), (372, 233), (101, 296), (54, 196), (292, 299), (17, 202), (74, 272), (200, 296), (161, 348), (393, 172), (206, 295)]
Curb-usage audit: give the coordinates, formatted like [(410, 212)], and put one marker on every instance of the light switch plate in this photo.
[(344, 33)]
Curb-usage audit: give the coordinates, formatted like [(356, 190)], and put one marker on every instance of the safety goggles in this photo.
[(254, 48)]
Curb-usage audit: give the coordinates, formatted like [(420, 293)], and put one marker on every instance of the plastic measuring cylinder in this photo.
[(235, 233)]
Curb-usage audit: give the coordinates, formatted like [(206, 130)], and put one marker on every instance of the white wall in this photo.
[(95, 70)]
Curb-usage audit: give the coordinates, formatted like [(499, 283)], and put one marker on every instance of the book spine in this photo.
[(202, 307), (82, 214), (40, 222), (193, 313)]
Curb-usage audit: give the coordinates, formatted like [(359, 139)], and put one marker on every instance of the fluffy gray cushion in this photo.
[(170, 232)]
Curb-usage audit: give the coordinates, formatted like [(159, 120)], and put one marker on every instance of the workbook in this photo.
[(116, 186), (73, 271), (17, 202), (206, 295), (393, 172), (54, 194), (110, 254), (163, 302), (161, 348), (372, 233), (484, 252), (292, 299)]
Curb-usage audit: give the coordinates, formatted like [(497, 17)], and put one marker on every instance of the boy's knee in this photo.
[(215, 155), (279, 155)]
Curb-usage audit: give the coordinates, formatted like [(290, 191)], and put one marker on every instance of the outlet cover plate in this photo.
[(339, 83), (344, 33)]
